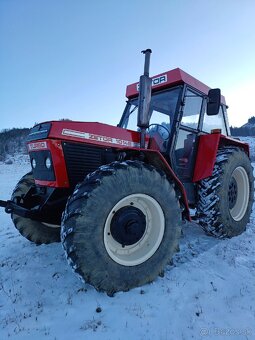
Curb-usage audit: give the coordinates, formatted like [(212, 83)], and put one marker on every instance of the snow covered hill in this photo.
[(209, 293)]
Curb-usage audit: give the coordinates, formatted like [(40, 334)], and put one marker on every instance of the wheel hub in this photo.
[(134, 229), (128, 225), (232, 193), (239, 192)]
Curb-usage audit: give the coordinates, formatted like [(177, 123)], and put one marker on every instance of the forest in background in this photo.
[(246, 130), (12, 141)]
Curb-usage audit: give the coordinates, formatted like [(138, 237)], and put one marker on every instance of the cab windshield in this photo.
[(162, 110)]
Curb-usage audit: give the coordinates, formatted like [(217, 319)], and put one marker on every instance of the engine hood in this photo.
[(86, 132)]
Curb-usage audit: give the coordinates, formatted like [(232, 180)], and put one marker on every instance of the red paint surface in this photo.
[(174, 77), (55, 148), (207, 150), (206, 155), (99, 134)]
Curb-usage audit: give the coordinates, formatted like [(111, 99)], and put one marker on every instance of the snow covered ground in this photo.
[(251, 142), (208, 294)]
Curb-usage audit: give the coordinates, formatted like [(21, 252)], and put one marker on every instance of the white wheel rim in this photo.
[(139, 252), (51, 225), (243, 192)]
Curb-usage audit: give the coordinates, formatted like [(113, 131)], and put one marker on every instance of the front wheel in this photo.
[(130, 236), (121, 226), (35, 231), (226, 198)]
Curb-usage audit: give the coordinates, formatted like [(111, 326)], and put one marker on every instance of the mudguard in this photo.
[(208, 146)]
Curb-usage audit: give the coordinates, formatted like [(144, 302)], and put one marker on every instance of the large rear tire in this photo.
[(226, 198), (34, 231), (121, 226)]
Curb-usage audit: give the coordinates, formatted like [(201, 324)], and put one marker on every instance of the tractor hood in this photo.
[(91, 132)]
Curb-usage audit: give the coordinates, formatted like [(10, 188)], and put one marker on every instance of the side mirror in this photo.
[(213, 104)]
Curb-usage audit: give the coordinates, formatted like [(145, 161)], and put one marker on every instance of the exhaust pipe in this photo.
[(144, 100)]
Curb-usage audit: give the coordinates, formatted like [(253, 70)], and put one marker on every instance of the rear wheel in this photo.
[(226, 198), (34, 231), (121, 226)]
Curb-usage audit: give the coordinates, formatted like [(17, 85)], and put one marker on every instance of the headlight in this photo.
[(33, 162), (48, 163)]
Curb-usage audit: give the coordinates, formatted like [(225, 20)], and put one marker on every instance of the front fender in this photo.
[(156, 159)]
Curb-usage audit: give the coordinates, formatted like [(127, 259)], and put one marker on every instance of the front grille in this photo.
[(40, 171), (81, 159)]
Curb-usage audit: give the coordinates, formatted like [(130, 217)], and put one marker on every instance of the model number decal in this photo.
[(37, 146), (98, 138), (156, 81)]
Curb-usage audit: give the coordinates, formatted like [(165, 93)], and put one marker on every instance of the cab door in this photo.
[(185, 143)]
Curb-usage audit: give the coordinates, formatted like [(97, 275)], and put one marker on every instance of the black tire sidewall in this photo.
[(93, 259), (34, 231), (231, 226)]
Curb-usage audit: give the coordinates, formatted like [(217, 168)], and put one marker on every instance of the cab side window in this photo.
[(191, 110), (214, 122)]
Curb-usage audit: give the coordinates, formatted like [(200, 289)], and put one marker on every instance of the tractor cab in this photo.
[(177, 117)]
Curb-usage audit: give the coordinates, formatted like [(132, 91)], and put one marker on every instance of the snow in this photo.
[(209, 293), (251, 142)]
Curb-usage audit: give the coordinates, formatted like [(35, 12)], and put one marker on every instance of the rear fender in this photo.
[(208, 146)]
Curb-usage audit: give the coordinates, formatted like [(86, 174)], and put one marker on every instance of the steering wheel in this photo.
[(157, 129)]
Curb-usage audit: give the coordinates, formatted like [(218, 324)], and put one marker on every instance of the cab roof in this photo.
[(169, 79)]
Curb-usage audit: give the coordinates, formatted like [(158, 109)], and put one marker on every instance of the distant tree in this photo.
[(251, 120), (6, 148)]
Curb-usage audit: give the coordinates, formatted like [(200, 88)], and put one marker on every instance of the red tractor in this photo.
[(116, 196)]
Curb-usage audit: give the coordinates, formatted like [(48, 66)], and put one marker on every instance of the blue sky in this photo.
[(73, 59)]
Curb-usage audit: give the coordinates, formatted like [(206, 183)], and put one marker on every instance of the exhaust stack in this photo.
[(144, 98)]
